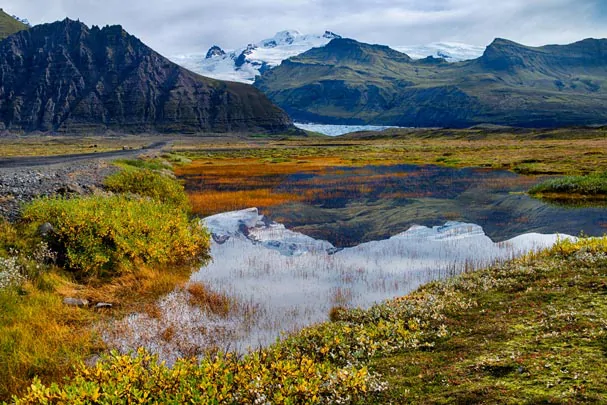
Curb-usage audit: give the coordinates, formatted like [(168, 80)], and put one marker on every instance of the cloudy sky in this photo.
[(190, 26)]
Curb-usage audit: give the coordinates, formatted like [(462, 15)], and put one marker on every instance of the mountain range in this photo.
[(244, 64), (66, 77), (248, 62), (510, 84)]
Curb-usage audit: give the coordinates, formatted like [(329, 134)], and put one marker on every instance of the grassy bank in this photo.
[(127, 249), (589, 187), (529, 331)]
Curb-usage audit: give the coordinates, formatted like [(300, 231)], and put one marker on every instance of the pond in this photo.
[(357, 236), (348, 206)]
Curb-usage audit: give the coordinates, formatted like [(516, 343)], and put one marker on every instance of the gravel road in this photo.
[(23, 179)]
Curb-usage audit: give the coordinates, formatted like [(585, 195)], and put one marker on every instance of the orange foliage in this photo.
[(225, 185), (212, 202)]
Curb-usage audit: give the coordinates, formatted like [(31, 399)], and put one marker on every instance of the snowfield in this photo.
[(244, 64)]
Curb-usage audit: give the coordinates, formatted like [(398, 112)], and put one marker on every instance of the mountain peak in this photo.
[(340, 50), (214, 51), (65, 77), (503, 41), (331, 35), (503, 54)]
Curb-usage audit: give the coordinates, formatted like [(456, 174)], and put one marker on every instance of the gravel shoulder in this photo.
[(23, 179)]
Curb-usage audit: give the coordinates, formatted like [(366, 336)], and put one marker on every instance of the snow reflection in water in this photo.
[(285, 281)]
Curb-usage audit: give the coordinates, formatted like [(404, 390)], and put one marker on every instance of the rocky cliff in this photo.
[(66, 77)]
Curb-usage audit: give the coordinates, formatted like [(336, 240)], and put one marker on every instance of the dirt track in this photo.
[(29, 161), (25, 178)]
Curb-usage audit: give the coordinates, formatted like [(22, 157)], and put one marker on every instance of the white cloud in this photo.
[(182, 26)]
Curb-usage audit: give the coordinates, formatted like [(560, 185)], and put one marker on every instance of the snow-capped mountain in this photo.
[(450, 51), (244, 64)]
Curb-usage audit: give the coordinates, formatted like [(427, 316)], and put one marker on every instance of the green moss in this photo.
[(535, 336)]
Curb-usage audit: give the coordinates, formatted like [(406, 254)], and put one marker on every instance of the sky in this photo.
[(174, 27)]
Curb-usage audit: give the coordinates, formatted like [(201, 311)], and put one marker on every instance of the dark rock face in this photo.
[(331, 35), (242, 58), (65, 77), (215, 51)]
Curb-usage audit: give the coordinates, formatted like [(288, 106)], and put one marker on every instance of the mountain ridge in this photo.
[(245, 63), (254, 59), (67, 77), (510, 84)]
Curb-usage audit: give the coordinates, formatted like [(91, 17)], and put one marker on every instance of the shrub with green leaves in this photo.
[(104, 236), (148, 183)]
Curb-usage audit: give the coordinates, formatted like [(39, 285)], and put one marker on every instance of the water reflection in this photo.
[(347, 206)]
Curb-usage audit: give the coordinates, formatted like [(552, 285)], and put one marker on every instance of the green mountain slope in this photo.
[(511, 84), (8, 25)]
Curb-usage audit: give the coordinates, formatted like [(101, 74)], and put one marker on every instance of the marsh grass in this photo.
[(40, 337), (203, 297), (240, 176)]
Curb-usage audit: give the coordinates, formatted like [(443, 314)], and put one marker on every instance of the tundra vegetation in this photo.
[(532, 329), (125, 248), (571, 188)]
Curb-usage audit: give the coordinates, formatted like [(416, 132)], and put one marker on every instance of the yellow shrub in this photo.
[(101, 236)]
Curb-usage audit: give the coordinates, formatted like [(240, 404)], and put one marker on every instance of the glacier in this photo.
[(246, 63)]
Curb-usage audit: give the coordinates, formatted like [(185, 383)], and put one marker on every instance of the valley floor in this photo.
[(530, 331)]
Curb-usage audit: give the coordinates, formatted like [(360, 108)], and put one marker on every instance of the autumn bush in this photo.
[(107, 235), (259, 378), (148, 183)]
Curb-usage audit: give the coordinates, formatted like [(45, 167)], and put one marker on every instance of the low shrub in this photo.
[(259, 378), (105, 236), (148, 183), (151, 164)]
